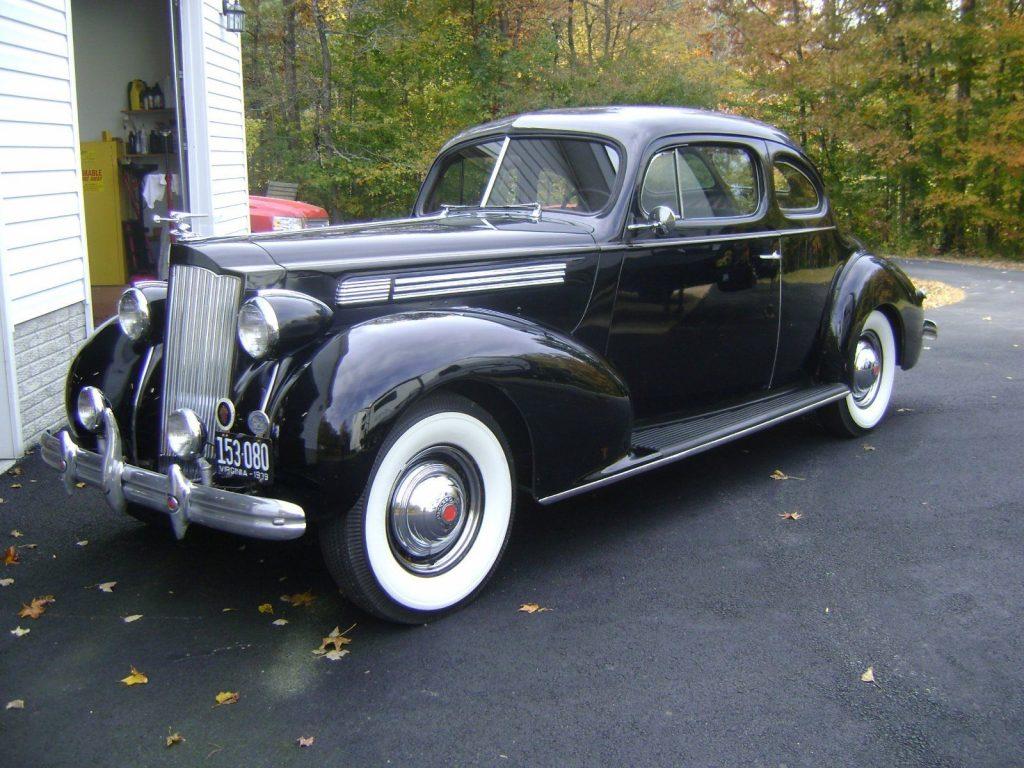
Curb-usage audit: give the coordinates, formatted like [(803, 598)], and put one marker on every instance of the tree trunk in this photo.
[(291, 96)]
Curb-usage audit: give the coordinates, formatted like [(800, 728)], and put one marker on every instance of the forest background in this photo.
[(913, 110)]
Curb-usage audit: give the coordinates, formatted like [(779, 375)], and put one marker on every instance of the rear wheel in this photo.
[(874, 369), (434, 519)]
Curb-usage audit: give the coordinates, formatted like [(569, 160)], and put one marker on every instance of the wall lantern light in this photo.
[(234, 16)]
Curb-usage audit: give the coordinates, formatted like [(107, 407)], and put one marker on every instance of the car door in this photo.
[(696, 316), (810, 259)]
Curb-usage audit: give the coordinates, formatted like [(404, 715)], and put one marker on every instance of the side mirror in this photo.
[(662, 219)]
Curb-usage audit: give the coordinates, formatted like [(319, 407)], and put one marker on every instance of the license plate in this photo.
[(241, 456)]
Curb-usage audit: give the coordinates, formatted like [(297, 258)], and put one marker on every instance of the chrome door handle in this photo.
[(773, 256)]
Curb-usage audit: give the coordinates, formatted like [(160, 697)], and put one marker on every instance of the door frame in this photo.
[(10, 414)]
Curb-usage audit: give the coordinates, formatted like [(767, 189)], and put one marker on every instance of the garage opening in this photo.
[(131, 129)]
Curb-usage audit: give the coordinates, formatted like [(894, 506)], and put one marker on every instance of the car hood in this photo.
[(415, 242)]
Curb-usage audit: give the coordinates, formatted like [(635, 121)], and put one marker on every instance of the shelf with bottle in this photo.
[(163, 112)]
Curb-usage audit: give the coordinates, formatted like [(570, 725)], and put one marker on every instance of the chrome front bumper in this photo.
[(173, 494)]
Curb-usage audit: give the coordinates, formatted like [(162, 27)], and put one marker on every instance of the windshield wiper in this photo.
[(533, 209)]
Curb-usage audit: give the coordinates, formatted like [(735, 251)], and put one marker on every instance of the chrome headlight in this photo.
[(286, 223), (90, 408), (133, 314), (258, 327), (185, 433)]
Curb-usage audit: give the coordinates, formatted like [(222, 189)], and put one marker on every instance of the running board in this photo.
[(654, 446)]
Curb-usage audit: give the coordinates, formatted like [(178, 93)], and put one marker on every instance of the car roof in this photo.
[(632, 126)]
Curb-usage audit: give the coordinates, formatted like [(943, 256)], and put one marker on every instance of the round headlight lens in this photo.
[(90, 408), (185, 433), (133, 314), (257, 327)]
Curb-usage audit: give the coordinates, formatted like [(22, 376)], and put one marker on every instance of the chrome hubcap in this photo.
[(867, 369), (435, 510)]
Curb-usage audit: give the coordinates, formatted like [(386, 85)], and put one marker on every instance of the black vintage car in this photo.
[(578, 296)]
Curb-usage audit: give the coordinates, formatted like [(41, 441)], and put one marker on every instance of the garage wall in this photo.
[(215, 120), (43, 266), (117, 41)]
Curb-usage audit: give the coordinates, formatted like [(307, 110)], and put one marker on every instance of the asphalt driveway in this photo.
[(690, 624)]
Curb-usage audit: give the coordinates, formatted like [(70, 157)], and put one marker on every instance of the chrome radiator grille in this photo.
[(199, 344)]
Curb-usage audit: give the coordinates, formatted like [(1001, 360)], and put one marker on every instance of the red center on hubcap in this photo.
[(449, 513)]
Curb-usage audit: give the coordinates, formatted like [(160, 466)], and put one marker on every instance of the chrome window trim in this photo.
[(659, 242)]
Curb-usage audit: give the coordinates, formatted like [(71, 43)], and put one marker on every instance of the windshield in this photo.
[(572, 175)]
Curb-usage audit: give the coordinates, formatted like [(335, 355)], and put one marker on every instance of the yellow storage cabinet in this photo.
[(101, 183)]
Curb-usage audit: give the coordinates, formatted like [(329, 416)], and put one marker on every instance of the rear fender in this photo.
[(867, 283), (333, 414)]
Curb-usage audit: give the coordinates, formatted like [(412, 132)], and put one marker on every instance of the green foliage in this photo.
[(913, 111)]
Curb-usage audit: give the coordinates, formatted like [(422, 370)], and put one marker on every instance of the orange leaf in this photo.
[(299, 598), (532, 608), (11, 556), (174, 738), (266, 608), (36, 608)]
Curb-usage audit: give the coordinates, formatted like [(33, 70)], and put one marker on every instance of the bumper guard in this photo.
[(173, 494)]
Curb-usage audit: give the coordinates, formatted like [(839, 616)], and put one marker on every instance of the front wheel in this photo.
[(874, 369), (434, 518)]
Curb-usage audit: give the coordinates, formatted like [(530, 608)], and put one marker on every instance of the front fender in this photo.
[(112, 362), (334, 413), (867, 283)]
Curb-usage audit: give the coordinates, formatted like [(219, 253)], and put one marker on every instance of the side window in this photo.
[(793, 189), (711, 181)]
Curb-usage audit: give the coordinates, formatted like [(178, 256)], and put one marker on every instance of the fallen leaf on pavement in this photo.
[(174, 738), (6, 582), (790, 515), (15, 471), (266, 608), (133, 617), (36, 608), (305, 741), (869, 447), (532, 608), (81, 543), (904, 410), (20, 631), (28, 546), (17, 534), (15, 485), (135, 678), (778, 474), (226, 697), (227, 610), (106, 586), (987, 317), (11, 556), (299, 598), (336, 638), (868, 675), (16, 704), (279, 622), (79, 485)]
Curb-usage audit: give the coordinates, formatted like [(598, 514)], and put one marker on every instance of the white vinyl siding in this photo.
[(44, 301), (42, 248), (215, 120)]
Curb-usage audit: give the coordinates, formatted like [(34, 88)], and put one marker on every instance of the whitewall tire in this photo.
[(873, 365), (435, 516)]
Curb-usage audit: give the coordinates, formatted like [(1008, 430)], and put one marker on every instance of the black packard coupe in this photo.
[(578, 296)]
